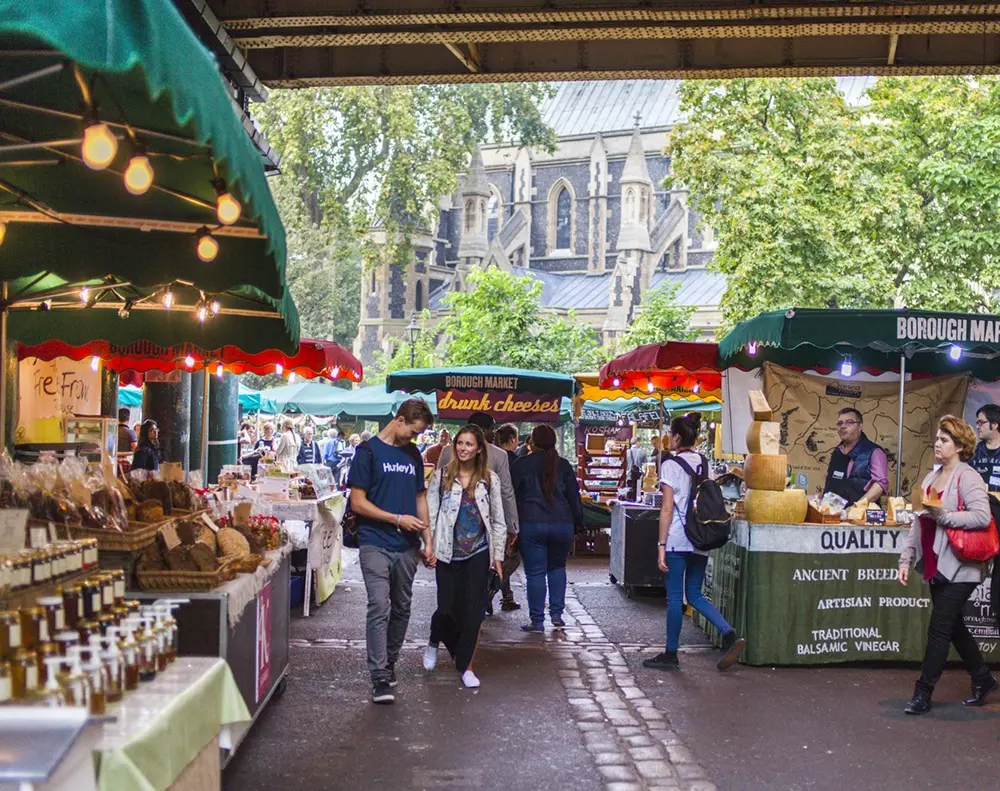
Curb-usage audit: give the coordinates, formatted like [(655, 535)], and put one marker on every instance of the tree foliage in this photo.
[(660, 319), (424, 354), (499, 321), (815, 202)]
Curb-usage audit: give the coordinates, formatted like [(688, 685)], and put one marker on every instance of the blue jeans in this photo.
[(545, 547), (685, 576)]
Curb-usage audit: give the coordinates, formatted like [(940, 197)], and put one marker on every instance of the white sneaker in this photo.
[(470, 679), (430, 657)]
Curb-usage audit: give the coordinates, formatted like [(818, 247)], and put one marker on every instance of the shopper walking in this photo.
[(389, 500), (501, 466), (286, 447), (466, 513), (506, 439), (548, 499), (676, 556), (309, 451), (964, 506), (433, 454), (147, 453)]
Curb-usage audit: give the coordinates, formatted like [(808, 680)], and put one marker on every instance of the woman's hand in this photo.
[(430, 559), (498, 565), (934, 512), (661, 558), (904, 575)]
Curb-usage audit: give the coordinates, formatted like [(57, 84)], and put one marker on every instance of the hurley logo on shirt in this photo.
[(395, 466)]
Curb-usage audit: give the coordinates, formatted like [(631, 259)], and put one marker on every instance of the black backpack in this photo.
[(708, 523)]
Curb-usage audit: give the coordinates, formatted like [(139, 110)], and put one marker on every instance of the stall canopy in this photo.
[(130, 396), (308, 398), (590, 390), (673, 368), (112, 82), (868, 340), (253, 401), (375, 403), (508, 394)]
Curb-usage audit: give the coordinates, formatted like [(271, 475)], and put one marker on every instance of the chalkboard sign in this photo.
[(875, 516)]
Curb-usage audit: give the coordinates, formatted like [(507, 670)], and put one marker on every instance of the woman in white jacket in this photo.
[(469, 531)]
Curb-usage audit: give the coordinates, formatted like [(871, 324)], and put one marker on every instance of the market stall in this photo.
[(825, 590), (677, 373)]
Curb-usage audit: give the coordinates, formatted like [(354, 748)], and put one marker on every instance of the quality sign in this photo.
[(503, 406)]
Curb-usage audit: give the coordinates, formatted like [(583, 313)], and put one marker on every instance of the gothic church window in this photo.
[(564, 209), (630, 205), (643, 206), (374, 285), (470, 215), (493, 221), (419, 300), (482, 216)]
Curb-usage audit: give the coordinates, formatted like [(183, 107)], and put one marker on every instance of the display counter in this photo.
[(821, 594), (634, 534), (323, 540)]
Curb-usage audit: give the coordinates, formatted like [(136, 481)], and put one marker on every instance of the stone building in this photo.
[(592, 221)]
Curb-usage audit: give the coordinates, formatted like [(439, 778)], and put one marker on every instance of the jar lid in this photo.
[(49, 601)]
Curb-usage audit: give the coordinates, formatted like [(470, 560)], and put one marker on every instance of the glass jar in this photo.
[(120, 613), (21, 577), (72, 598), (24, 674), (148, 656), (91, 598), (115, 665), (41, 566), (10, 634), (96, 673), (66, 640), (89, 553), (55, 615), (85, 628), (118, 579), (6, 574), (59, 562), (74, 557), (6, 682), (107, 582), (104, 620), (46, 651), (34, 628)]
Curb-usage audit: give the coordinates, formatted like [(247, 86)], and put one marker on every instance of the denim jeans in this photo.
[(388, 580), (685, 576), (545, 547), (947, 627)]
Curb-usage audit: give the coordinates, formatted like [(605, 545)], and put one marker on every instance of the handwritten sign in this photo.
[(13, 529), (503, 406), (263, 641), (58, 388)]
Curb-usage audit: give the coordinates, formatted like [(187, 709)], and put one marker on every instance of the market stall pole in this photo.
[(671, 370)]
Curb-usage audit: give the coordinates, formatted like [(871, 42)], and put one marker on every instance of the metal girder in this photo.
[(297, 43)]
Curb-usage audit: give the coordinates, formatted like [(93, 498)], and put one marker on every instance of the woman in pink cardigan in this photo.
[(964, 505)]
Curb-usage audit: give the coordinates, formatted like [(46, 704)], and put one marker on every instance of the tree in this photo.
[(356, 157), (817, 203), (425, 354), (499, 321), (660, 319)]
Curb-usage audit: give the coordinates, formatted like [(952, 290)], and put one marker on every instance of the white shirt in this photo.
[(674, 476)]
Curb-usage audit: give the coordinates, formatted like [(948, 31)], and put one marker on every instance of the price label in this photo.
[(875, 516), (13, 529)]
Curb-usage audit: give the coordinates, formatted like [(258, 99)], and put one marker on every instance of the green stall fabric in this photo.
[(375, 402), (252, 401), (308, 398), (130, 396), (135, 67)]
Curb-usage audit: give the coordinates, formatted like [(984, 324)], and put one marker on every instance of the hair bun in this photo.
[(694, 419)]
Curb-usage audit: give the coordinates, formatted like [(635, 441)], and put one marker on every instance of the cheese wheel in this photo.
[(759, 408), (765, 472), (764, 436), (782, 508)]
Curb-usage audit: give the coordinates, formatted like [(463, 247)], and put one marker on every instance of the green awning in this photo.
[(934, 343), (482, 377), (130, 396), (252, 401), (146, 71), (375, 402), (310, 398)]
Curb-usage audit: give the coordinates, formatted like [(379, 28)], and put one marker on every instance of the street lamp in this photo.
[(412, 331)]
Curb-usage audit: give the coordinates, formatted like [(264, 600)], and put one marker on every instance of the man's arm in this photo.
[(366, 509), (878, 469)]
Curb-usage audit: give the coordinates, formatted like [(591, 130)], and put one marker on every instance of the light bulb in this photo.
[(227, 209), (207, 246), (616, 382), (95, 363), (189, 361), (215, 307), (218, 370), (752, 349), (335, 373), (846, 368), (202, 313), (279, 369), (125, 311), (696, 388), (650, 387), (99, 146), (168, 299), (84, 295), (138, 175), (3, 231), (955, 352), (291, 377)]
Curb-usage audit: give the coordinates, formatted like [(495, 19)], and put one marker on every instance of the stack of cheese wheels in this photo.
[(767, 499)]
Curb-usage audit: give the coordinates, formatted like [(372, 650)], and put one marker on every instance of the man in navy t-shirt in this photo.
[(389, 499)]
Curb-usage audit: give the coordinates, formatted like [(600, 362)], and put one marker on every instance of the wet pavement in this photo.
[(577, 710)]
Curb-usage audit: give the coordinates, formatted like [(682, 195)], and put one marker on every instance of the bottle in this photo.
[(162, 634), (72, 596), (24, 674), (115, 662), (171, 622), (97, 675), (130, 654), (107, 583), (66, 640), (55, 615), (10, 634), (118, 581), (75, 681), (53, 693), (45, 652), (148, 653), (34, 628), (6, 682)]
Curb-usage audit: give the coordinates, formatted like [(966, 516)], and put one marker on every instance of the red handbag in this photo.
[(974, 546)]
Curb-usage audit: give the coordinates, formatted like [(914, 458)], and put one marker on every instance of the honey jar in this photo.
[(10, 633), (24, 674), (85, 629), (72, 598), (21, 576), (66, 640), (118, 580), (46, 651), (34, 628), (89, 553), (41, 566), (107, 583), (6, 682), (91, 598), (55, 615)]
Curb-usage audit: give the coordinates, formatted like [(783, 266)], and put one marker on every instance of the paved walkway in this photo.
[(576, 710)]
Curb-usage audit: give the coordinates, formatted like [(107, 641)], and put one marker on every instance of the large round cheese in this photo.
[(764, 436), (765, 472), (782, 508)]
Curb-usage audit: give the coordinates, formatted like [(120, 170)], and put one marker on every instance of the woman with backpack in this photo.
[(469, 536), (676, 555)]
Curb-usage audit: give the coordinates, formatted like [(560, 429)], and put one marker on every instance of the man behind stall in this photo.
[(986, 459), (859, 469)]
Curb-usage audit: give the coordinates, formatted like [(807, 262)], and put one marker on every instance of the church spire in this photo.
[(474, 244), (637, 198), (636, 168)]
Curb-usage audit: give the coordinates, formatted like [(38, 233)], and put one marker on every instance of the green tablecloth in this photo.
[(823, 594), (162, 726)]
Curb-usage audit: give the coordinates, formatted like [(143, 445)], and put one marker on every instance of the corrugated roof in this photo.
[(579, 108)]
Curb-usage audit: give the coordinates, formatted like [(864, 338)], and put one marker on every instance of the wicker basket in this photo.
[(185, 581), (138, 536)]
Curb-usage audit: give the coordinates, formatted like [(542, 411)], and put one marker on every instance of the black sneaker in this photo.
[(665, 661), (509, 605), (393, 681), (489, 605), (732, 647), (382, 693), (558, 622)]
